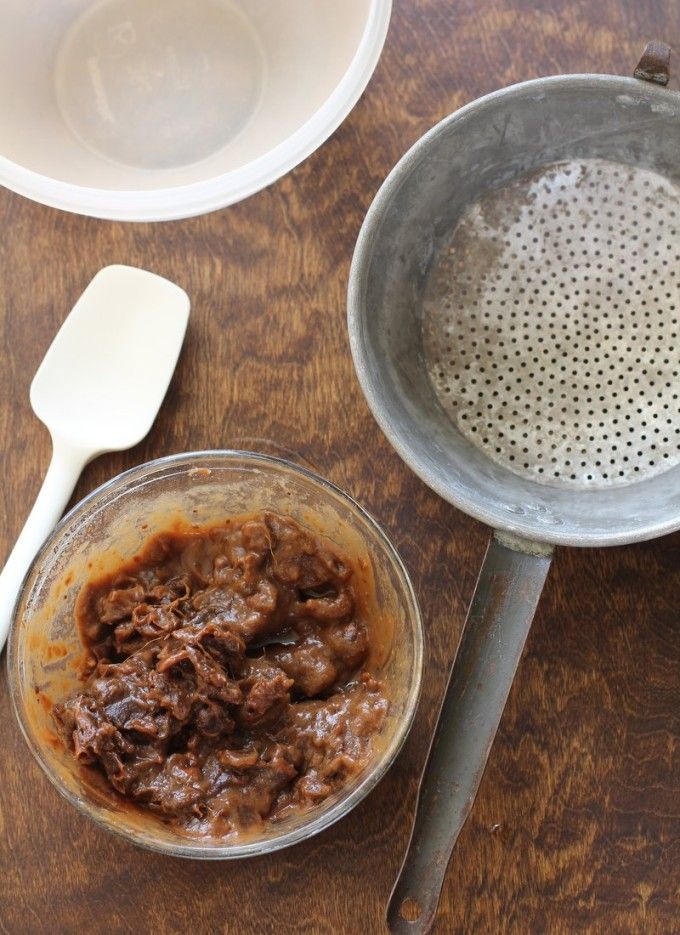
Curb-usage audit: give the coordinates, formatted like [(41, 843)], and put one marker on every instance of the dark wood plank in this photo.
[(577, 825)]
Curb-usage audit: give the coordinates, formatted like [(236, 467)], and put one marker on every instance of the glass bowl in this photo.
[(108, 527)]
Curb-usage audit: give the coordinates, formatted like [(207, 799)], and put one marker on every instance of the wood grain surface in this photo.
[(577, 824)]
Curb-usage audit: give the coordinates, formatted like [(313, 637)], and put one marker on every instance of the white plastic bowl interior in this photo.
[(150, 110)]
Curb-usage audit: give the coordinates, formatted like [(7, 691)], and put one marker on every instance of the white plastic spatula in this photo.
[(98, 389)]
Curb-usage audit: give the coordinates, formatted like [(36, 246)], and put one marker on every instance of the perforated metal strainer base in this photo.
[(550, 324)]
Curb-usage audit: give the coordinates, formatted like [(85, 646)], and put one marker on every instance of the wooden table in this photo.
[(577, 824)]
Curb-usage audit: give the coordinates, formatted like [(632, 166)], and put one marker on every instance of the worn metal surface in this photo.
[(655, 63), (500, 615), (550, 324)]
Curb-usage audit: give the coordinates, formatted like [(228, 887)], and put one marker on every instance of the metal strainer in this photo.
[(514, 310), (550, 324)]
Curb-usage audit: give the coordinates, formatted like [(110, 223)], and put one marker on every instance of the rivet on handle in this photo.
[(655, 63)]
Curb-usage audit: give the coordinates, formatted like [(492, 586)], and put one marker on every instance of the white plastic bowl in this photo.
[(148, 110)]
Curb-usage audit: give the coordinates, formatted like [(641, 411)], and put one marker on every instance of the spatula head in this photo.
[(105, 374)]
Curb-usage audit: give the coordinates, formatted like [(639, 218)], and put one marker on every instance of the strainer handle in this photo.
[(500, 615)]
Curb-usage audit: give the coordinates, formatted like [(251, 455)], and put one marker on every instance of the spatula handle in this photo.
[(62, 475), (507, 592)]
